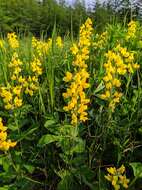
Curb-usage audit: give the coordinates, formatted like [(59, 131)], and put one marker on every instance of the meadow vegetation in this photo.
[(71, 110)]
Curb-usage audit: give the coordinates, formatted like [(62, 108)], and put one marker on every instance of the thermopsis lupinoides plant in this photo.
[(66, 107)]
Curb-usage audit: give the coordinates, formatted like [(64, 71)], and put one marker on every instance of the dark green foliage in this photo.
[(39, 17)]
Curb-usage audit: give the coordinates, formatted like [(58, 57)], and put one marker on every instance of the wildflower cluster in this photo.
[(101, 40), (117, 177), (11, 94), (4, 143), (132, 28), (77, 101), (12, 40), (119, 62), (42, 47), (15, 67), (31, 84)]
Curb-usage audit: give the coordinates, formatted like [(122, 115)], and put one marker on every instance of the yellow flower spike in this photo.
[(4, 143), (1, 44), (12, 40), (119, 62), (77, 101), (59, 42), (132, 28), (74, 119)]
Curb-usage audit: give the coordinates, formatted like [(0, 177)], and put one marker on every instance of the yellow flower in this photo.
[(4, 143), (17, 102), (132, 28), (112, 170), (117, 177), (3, 136), (74, 49), (59, 42), (116, 82), (17, 90), (68, 77), (1, 43), (29, 91), (8, 106)]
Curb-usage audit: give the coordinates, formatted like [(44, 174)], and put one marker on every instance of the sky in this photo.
[(87, 2)]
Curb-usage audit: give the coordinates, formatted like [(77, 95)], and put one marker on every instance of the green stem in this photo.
[(133, 181)]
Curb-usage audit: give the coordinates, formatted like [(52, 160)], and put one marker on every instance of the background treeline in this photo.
[(39, 16)]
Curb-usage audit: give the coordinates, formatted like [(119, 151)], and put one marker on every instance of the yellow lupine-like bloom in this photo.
[(117, 177), (41, 47), (31, 85), (36, 66), (15, 67), (132, 28), (11, 97), (4, 143), (101, 40), (119, 62), (1, 43), (59, 42), (12, 40), (75, 94), (12, 93)]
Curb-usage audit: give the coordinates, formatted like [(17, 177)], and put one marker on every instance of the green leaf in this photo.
[(140, 130), (49, 123), (27, 133), (4, 188), (79, 147), (47, 139), (99, 88), (66, 182), (12, 127), (69, 130), (137, 169), (5, 163), (29, 168)]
